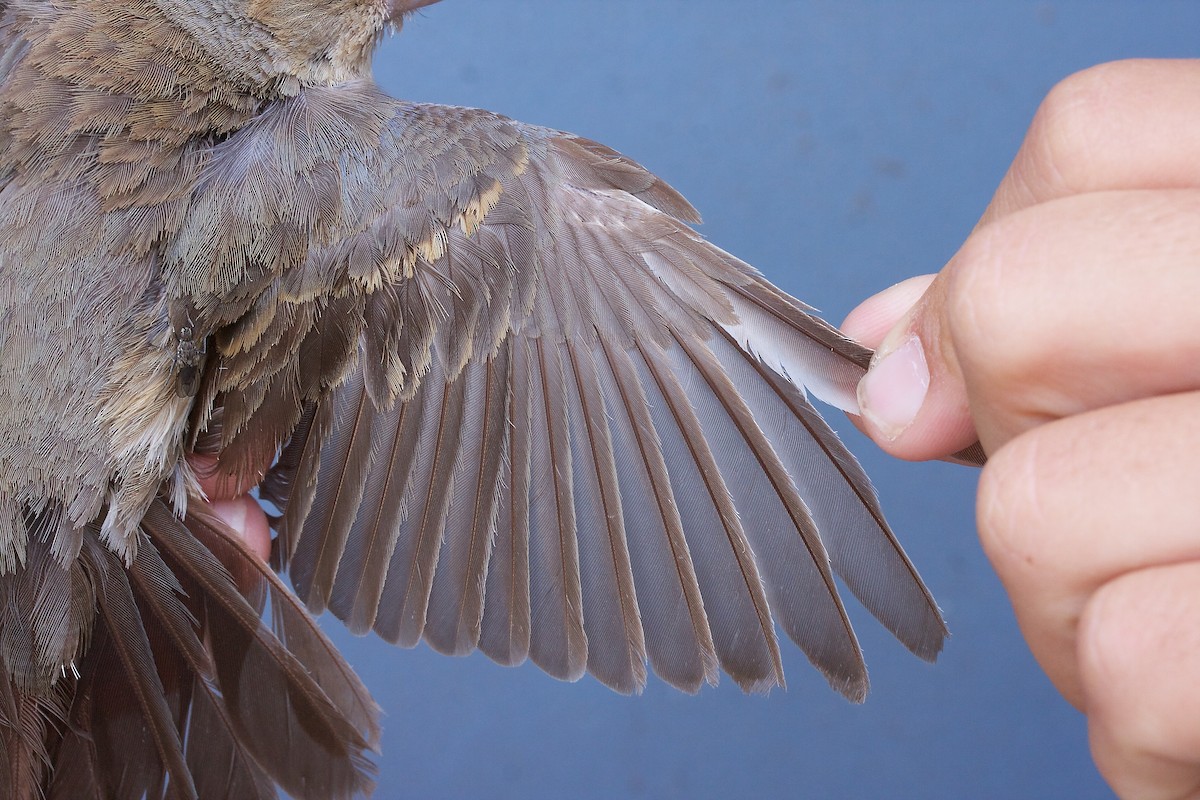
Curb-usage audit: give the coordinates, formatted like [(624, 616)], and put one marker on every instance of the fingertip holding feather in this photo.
[(245, 517)]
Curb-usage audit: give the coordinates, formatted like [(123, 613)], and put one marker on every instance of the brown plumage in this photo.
[(519, 405)]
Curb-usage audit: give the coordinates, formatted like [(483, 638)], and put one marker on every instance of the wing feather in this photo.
[(405, 597), (589, 440), (611, 615), (505, 629), (730, 582), (784, 538), (360, 583), (558, 643), (456, 604), (342, 479), (862, 547), (678, 637)]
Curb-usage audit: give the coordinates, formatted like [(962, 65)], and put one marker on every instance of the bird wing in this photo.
[(529, 409)]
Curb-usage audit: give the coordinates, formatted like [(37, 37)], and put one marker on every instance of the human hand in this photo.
[(1065, 336), (230, 500)]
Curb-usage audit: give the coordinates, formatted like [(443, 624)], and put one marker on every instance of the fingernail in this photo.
[(894, 388)]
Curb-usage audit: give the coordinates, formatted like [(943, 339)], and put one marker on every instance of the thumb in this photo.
[(228, 497), (913, 399)]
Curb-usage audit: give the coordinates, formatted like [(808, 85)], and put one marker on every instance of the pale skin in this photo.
[(1065, 336)]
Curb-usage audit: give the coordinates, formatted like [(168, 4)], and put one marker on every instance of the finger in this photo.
[(875, 316), (1120, 126), (1070, 506), (1124, 125), (227, 497), (1139, 652), (247, 519), (913, 398), (1073, 305), (891, 392)]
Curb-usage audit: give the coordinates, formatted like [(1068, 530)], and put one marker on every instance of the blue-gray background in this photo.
[(838, 146)]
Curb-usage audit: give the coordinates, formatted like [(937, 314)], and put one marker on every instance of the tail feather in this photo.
[(274, 701), (131, 647), (183, 691)]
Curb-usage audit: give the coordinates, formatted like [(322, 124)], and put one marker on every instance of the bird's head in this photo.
[(300, 41), (182, 68), (398, 8), (327, 41)]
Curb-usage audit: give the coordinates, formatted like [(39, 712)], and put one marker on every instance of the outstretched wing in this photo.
[(536, 413)]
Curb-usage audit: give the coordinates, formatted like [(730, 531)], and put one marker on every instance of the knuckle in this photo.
[(985, 301), (1028, 525), (1137, 654), (1073, 128), (1103, 631), (971, 287), (1007, 509), (1112, 631)]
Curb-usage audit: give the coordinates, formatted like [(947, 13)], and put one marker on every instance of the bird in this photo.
[(500, 392)]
